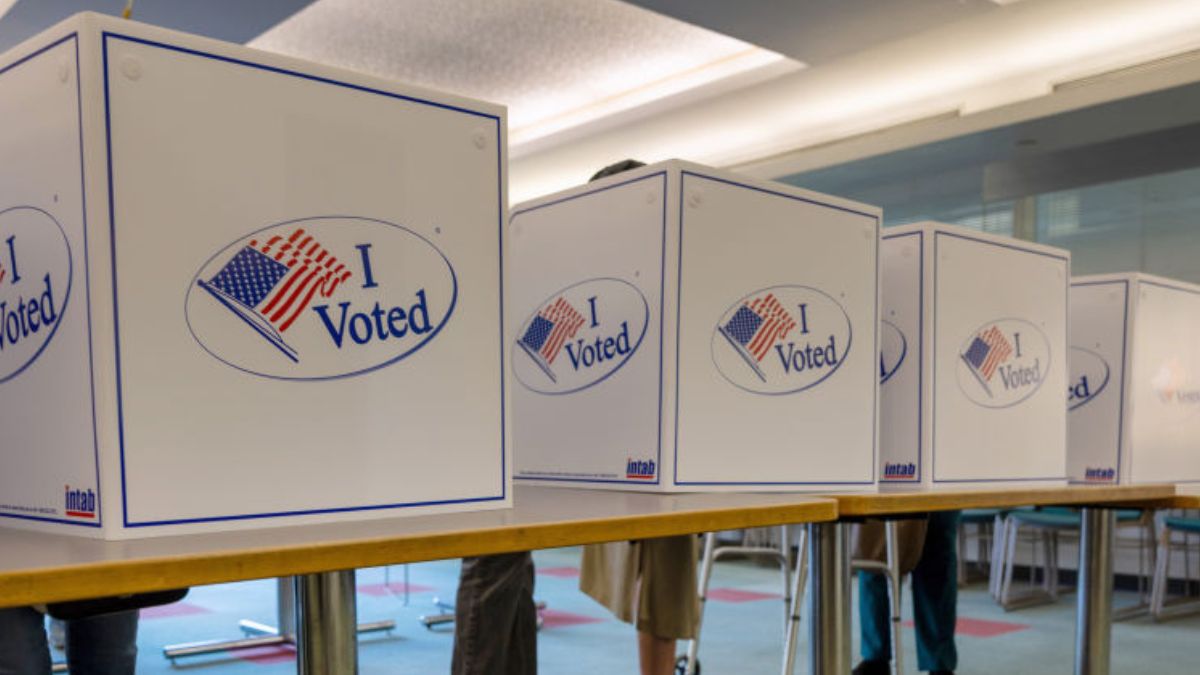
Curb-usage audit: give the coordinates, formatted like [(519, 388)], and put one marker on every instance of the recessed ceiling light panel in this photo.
[(556, 64)]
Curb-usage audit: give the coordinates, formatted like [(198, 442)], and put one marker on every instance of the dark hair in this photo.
[(611, 169)]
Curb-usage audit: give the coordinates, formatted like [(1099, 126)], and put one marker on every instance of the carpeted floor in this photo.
[(742, 631)]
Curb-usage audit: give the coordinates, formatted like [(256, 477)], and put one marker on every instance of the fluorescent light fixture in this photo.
[(993, 60), (557, 64), (537, 119)]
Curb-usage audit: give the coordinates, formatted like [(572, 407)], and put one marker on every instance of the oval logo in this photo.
[(35, 283), (1089, 376), (321, 298), (893, 349), (580, 336), (1003, 362), (781, 340)]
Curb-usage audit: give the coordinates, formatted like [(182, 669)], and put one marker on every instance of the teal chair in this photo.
[(1046, 525), (987, 524), (1160, 607)]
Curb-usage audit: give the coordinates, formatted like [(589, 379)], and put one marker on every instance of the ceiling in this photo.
[(771, 88), (819, 31), (557, 64)]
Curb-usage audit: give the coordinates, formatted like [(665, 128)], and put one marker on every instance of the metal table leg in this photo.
[(799, 583), (326, 632), (1093, 614), (829, 599)]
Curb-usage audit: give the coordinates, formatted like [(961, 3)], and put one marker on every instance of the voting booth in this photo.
[(241, 290), (1134, 392), (973, 344), (681, 328)]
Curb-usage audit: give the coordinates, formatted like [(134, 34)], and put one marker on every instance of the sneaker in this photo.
[(873, 668)]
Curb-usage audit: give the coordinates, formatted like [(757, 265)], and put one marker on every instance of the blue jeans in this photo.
[(99, 645), (935, 600)]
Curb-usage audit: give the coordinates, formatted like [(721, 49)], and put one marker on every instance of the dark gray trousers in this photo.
[(495, 621)]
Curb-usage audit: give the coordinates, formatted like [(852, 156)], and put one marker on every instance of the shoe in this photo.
[(941, 672), (872, 668)]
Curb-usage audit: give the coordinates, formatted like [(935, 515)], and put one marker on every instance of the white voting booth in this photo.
[(240, 290), (1134, 392), (972, 358), (681, 328)]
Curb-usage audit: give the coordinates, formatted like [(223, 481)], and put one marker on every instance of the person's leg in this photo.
[(495, 626), (23, 647), (105, 644), (874, 617), (656, 655), (935, 594), (668, 600)]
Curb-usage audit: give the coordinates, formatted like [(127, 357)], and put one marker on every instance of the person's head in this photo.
[(611, 169)]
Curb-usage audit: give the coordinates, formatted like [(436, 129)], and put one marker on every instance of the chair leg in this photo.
[(891, 529), (1052, 564), (1009, 559), (999, 537), (706, 563), (1158, 586), (785, 570), (962, 555), (793, 623)]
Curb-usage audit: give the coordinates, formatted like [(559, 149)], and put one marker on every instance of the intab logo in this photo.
[(893, 348), (1003, 363), (79, 503), (580, 336), (321, 298), (35, 283), (1089, 377), (899, 471), (641, 469), (1099, 475), (781, 340)]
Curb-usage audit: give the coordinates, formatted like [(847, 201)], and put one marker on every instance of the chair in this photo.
[(1160, 608), (1047, 526), (777, 549), (987, 523)]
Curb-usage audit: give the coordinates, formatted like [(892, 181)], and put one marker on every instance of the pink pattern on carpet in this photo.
[(555, 619), (267, 655), (561, 572), (736, 595), (379, 590), (173, 609), (983, 628)]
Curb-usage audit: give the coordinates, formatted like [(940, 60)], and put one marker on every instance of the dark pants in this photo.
[(495, 624), (105, 644), (935, 600)]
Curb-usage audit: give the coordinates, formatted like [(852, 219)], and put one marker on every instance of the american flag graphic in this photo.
[(755, 327), (553, 326), (270, 284), (758, 324), (988, 350)]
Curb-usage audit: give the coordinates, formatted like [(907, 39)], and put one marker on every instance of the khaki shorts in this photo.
[(649, 583)]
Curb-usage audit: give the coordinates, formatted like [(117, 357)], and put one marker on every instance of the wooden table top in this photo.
[(40, 568), (1187, 496), (898, 501)]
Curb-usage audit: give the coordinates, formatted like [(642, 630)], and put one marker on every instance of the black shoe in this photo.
[(941, 672), (873, 668)]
